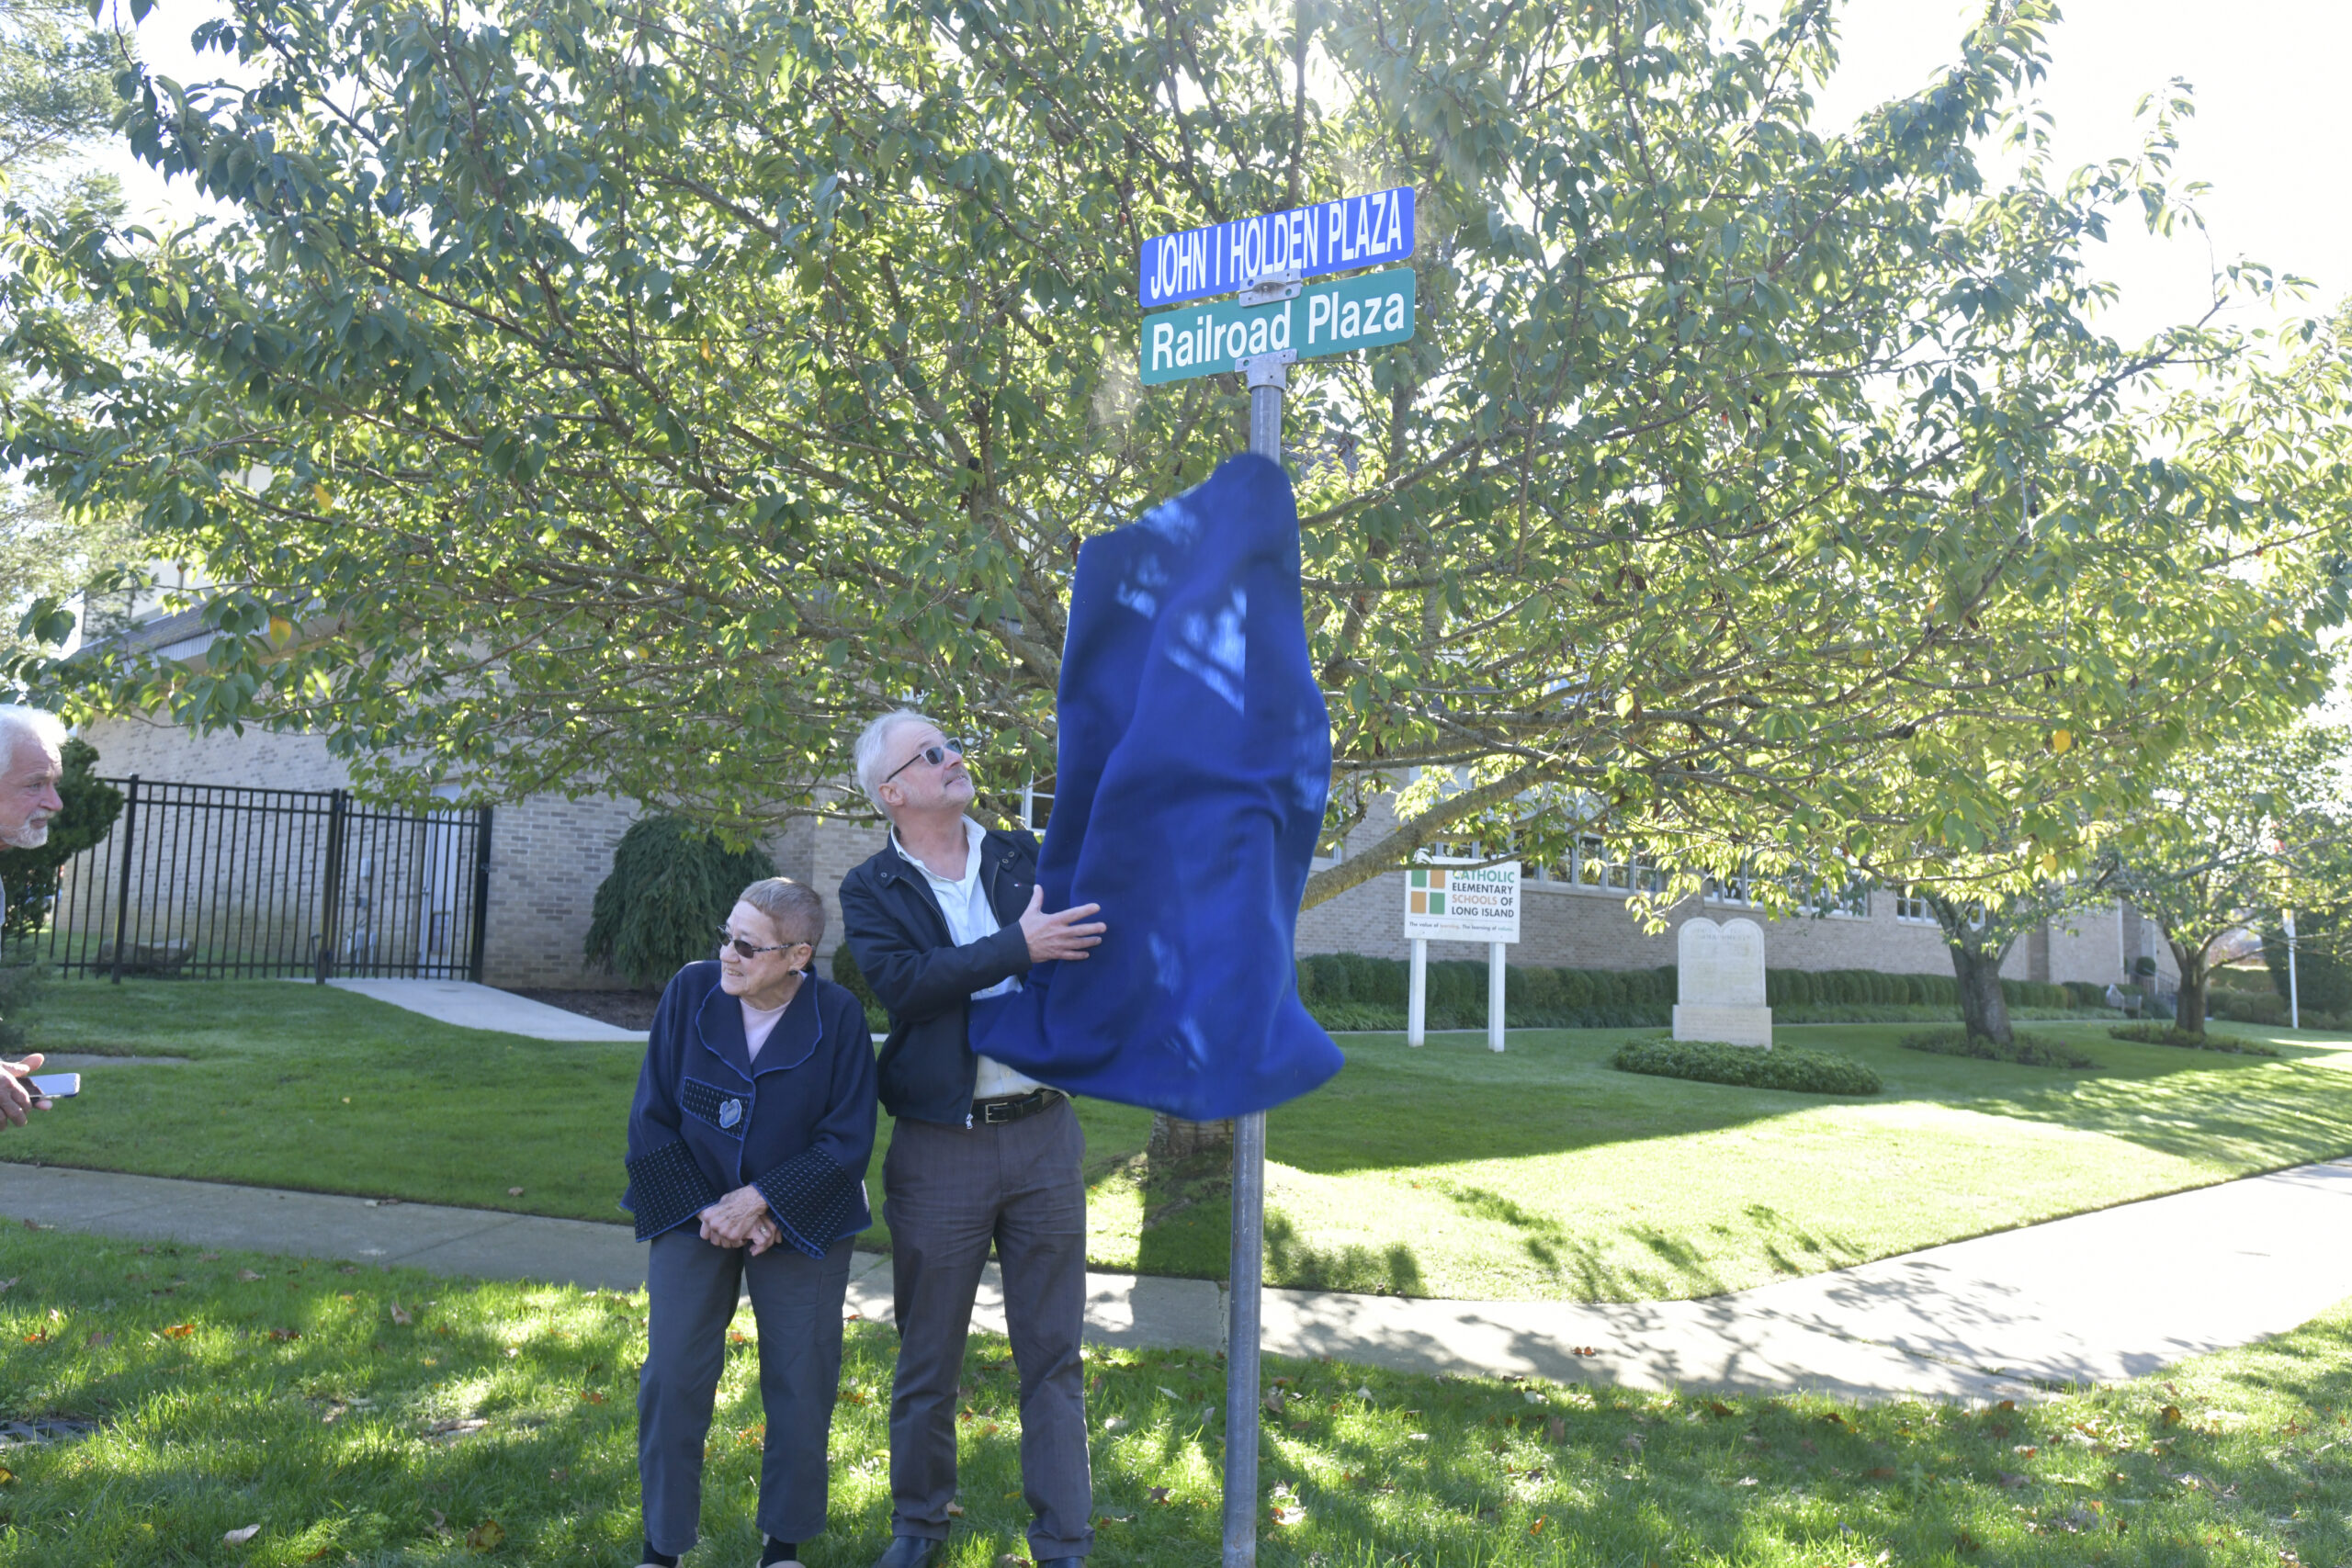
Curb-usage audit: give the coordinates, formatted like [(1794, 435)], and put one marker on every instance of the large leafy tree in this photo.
[(633, 397)]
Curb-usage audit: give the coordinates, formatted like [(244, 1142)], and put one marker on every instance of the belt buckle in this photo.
[(997, 1113)]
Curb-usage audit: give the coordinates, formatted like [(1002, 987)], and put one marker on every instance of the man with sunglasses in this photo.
[(948, 913)]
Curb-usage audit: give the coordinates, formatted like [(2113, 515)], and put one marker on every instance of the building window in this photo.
[(1592, 862), (1911, 908), (1738, 888), (1851, 902), (1036, 803)]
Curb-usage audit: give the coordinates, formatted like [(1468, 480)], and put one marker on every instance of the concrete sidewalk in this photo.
[(470, 1006), (2094, 1298)]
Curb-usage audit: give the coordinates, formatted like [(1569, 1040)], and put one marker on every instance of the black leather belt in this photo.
[(1012, 1107)]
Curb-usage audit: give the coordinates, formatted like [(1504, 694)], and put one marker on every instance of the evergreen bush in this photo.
[(670, 889), (1791, 1067), (2323, 980), (851, 979), (2245, 1007)]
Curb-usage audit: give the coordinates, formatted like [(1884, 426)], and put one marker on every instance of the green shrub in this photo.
[(90, 807), (2025, 1051), (2161, 1034), (670, 886), (1789, 1067), (2246, 1007), (1575, 989)]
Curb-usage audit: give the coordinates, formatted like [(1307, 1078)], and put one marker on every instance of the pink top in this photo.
[(758, 1025)]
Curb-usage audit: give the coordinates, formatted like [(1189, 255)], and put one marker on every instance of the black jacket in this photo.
[(899, 938)]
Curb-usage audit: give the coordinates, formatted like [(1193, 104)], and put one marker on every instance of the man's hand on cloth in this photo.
[(16, 1100), (740, 1219), (1062, 937)]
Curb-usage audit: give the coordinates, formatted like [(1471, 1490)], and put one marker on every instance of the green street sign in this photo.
[(1367, 312)]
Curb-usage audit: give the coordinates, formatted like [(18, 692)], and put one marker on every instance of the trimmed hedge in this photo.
[(1349, 990), (2029, 1050), (1791, 1067), (2156, 1034)]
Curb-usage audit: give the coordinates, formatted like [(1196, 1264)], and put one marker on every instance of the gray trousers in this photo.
[(948, 1193), (693, 1287)]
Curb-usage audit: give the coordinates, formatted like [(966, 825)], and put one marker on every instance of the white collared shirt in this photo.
[(964, 904)]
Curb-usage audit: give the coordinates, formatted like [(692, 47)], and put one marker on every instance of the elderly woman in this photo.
[(747, 1155)]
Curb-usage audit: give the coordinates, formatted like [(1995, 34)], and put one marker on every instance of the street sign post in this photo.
[(1306, 242), (1329, 318), (1271, 325)]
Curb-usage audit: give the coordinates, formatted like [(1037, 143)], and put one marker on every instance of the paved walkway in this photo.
[(2094, 1298), (471, 1005)]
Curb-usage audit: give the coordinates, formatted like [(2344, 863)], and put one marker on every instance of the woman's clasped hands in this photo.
[(740, 1219)]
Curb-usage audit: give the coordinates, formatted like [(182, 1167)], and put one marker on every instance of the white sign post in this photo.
[(1458, 900)]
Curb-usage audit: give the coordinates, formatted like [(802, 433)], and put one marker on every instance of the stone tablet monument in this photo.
[(1721, 973)]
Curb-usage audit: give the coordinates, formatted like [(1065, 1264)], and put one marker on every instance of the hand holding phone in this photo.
[(54, 1086)]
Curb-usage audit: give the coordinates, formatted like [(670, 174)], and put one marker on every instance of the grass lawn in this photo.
[(209, 1394), (1445, 1171)]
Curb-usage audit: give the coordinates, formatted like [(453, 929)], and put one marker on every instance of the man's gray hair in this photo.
[(873, 754), (798, 909), (20, 723)]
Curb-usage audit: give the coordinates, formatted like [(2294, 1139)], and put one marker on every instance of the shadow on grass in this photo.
[(1553, 1093)]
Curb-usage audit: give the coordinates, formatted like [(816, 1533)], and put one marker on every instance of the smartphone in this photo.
[(54, 1086)]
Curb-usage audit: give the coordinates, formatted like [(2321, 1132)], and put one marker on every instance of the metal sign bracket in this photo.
[(1267, 369), (1271, 288)]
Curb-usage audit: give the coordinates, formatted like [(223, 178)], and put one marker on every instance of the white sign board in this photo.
[(1462, 901)]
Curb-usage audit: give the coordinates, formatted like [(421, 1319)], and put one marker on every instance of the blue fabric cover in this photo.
[(1195, 755)]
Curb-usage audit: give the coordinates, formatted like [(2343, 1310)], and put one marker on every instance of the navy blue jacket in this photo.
[(798, 1123), (894, 929)]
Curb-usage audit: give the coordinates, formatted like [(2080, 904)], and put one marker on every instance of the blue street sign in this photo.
[(1307, 242)]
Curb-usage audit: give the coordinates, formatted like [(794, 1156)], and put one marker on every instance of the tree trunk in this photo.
[(1173, 1138), (2193, 978), (1982, 1006)]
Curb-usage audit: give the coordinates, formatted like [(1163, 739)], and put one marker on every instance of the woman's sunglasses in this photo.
[(745, 949), (934, 755)]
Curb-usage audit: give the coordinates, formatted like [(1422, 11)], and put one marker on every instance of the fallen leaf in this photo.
[(1290, 1514), (593, 1395), (208, 1257), (2008, 1478), (485, 1535), (400, 1316), (955, 1510), (1584, 1350), (7, 1476), (1556, 1429), (286, 1333), (1719, 1409), (1631, 1440), (513, 1192), (97, 1341), (561, 1472), (8, 1281), (440, 1521), (36, 1224), (1012, 1560), (1160, 1495), (1537, 1528), (248, 1276), (1881, 1472), (2169, 1415), (239, 1537), (2007, 1404), (179, 1331)]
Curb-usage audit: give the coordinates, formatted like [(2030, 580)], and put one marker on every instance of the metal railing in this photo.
[(220, 882)]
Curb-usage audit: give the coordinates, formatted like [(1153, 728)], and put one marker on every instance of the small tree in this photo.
[(2238, 832), (670, 886)]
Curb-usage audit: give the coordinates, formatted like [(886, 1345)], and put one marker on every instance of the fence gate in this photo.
[(218, 882)]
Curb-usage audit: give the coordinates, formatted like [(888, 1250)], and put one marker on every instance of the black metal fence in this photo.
[(218, 882)]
